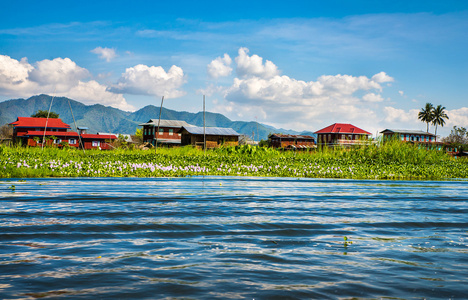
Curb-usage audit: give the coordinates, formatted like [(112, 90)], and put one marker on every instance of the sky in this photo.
[(299, 65)]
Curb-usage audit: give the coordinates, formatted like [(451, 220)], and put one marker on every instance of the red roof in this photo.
[(49, 133), (99, 136), (39, 122), (343, 128)]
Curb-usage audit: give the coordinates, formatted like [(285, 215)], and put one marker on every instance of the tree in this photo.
[(458, 136), (438, 117), (426, 114), (6, 132), (44, 114)]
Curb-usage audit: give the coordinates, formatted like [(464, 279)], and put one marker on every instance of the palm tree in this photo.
[(426, 114), (439, 117)]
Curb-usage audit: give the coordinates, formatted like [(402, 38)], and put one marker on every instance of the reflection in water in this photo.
[(224, 237)]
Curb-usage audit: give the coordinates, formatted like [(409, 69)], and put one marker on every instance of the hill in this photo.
[(99, 118)]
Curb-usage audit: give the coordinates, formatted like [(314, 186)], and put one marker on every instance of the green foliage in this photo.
[(390, 160), (45, 114)]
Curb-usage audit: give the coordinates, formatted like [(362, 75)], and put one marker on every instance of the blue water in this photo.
[(225, 237)]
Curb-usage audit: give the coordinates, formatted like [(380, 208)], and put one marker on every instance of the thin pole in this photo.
[(47, 120), (159, 122), (204, 125), (76, 127)]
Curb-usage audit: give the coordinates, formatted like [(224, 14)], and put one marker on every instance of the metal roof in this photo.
[(418, 132), (166, 123), (211, 130)]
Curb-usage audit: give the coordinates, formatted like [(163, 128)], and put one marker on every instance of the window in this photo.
[(171, 131), (72, 141), (57, 141), (161, 130), (96, 143)]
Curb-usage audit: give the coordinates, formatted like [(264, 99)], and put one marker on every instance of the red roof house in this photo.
[(341, 134), (35, 131)]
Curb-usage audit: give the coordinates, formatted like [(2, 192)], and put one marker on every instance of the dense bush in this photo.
[(393, 160)]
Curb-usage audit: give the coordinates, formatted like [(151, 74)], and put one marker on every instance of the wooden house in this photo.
[(419, 137), (409, 135), (97, 141), (168, 131), (291, 141), (341, 134), (36, 131), (215, 136)]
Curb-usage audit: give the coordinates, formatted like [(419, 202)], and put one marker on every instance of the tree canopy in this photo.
[(44, 114), (426, 114)]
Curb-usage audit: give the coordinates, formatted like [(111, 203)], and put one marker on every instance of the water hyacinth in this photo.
[(396, 161)]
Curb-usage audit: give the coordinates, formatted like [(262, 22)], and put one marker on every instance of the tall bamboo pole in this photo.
[(159, 122)]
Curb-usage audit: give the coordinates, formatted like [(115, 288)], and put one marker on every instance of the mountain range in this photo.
[(100, 118)]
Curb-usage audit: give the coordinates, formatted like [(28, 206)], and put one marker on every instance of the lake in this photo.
[(233, 237)]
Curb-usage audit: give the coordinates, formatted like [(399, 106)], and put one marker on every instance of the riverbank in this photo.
[(392, 160)]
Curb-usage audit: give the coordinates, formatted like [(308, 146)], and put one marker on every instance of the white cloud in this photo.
[(371, 97), (260, 90), (144, 80), (401, 93), (105, 53), (395, 115), (14, 76), (88, 92), (220, 67), (382, 77), (60, 72), (60, 76), (253, 65), (458, 117)]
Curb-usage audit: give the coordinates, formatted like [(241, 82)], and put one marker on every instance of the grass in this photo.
[(391, 160)]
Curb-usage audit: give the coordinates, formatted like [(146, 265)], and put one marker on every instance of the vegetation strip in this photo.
[(391, 160)]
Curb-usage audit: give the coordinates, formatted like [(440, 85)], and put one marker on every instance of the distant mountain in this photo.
[(99, 118)]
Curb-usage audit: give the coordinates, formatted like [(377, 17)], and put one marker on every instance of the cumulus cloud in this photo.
[(144, 80), (254, 66), (458, 117), (14, 75), (220, 67), (400, 116), (260, 89), (105, 53), (371, 97), (62, 72), (382, 77), (62, 75)]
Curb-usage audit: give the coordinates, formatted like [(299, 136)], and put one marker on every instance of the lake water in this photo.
[(225, 237)]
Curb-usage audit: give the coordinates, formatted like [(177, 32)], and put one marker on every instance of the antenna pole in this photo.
[(159, 122), (204, 125), (47, 120), (80, 143)]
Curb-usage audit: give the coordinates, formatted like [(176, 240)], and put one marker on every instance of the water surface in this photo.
[(226, 237)]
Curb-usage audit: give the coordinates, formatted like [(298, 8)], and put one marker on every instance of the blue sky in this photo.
[(301, 65)]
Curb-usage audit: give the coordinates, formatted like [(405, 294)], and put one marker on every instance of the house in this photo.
[(419, 137), (215, 136), (342, 134), (97, 141), (32, 131), (168, 131), (291, 141), (409, 135), (35, 131)]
